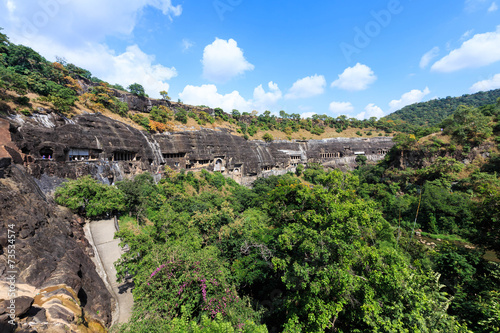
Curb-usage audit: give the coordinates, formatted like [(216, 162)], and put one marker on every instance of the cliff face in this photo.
[(55, 274), (57, 288), (421, 157), (110, 150)]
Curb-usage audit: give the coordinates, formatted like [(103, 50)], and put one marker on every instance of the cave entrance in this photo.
[(218, 165), (47, 153), (124, 156)]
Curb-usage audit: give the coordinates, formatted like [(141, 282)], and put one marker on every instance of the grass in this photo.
[(129, 223)]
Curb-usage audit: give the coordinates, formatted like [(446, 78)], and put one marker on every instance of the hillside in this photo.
[(433, 112)]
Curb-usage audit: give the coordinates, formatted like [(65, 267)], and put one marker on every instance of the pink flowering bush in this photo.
[(193, 285)]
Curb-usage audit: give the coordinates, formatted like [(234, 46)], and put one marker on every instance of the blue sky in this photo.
[(362, 58)]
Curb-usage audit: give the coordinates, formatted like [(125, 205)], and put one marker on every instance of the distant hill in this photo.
[(431, 113)]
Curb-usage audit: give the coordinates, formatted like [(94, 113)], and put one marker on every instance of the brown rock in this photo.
[(51, 254), (21, 304), (58, 312), (5, 327)]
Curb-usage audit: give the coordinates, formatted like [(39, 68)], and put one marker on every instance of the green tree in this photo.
[(488, 213), (118, 87), (219, 113), (4, 42), (141, 120), (236, 114), (326, 257), (299, 170), (176, 281), (468, 124), (138, 194), (9, 79), (89, 197), (75, 70), (184, 325), (164, 95), (137, 90), (361, 159)]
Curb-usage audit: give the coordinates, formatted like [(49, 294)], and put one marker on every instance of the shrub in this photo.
[(268, 137), (181, 116), (26, 112), (90, 198), (23, 100), (299, 170), (141, 120)]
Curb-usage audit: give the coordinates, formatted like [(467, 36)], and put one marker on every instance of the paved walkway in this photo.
[(102, 233)]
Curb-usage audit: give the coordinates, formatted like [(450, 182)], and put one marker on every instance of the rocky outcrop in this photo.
[(422, 156), (110, 150), (56, 283)]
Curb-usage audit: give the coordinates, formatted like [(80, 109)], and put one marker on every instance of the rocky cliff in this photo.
[(56, 285), (53, 147)]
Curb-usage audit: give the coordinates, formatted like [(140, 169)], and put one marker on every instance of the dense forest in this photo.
[(433, 112), (407, 245)]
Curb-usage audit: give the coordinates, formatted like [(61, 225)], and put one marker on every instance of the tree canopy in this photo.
[(137, 90)]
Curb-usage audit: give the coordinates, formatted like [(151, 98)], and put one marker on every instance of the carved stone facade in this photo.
[(110, 150)]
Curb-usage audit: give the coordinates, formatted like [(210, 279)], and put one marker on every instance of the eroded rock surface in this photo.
[(110, 150), (51, 258)]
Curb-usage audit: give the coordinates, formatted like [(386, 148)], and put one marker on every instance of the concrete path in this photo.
[(102, 233)]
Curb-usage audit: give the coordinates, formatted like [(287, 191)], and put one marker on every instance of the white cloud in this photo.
[(186, 44), (77, 22), (224, 60), (414, 96), (371, 110), (307, 87), (208, 95), (76, 30), (355, 78), (137, 66), (427, 58), (481, 50), (493, 7), (306, 115), (341, 107), (485, 85), (266, 100)]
